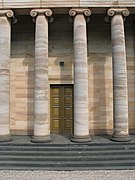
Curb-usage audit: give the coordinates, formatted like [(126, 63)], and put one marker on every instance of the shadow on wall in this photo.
[(22, 77), (61, 50), (130, 44)]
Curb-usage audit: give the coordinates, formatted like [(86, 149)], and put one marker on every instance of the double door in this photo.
[(61, 108)]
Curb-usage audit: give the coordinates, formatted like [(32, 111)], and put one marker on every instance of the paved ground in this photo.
[(71, 175)]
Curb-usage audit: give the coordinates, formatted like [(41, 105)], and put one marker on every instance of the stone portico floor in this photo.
[(65, 139)]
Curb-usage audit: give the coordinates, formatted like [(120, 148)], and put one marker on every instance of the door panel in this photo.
[(61, 109), (55, 109)]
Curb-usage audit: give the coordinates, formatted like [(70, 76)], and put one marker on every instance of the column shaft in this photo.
[(120, 94), (81, 106), (41, 123), (5, 33)]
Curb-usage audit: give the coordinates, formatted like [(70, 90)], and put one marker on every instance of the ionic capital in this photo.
[(84, 11), (9, 14), (114, 11), (36, 12), (74, 12), (117, 11), (45, 12)]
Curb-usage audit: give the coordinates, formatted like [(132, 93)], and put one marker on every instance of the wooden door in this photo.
[(61, 109)]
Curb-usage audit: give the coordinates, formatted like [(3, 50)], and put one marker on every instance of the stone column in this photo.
[(41, 123), (5, 46), (81, 106), (120, 94)]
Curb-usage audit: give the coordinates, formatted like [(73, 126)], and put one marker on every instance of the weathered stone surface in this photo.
[(61, 49), (5, 33), (120, 94), (81, 107), (41, 121)]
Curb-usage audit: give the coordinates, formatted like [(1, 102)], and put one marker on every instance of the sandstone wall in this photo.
[(61, 50)]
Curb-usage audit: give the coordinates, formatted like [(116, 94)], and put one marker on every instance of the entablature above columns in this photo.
[(19, 4)]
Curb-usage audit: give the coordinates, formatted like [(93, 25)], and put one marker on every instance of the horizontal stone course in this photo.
[(65, 3)]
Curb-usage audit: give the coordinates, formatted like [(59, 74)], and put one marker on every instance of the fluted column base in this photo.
[(41, 139), (120, 137), (81, 139), (5, 138)]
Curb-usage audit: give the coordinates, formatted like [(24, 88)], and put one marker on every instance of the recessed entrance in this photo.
[(61, 109)]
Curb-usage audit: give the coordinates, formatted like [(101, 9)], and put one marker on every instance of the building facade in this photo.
[(67, 67)]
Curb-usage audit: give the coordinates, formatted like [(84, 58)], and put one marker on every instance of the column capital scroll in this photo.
[(84, 11), (36, 12), (114, 11), (9, 14), (75, 11)]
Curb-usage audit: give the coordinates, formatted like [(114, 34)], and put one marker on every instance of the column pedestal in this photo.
[(81, 139), (41, 139), (120, 137)]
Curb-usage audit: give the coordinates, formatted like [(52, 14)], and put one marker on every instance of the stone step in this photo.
[(68, 164), (110, 143), (77, 157), (68, 157), (66, 152), (62, 148), (49, 168)]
